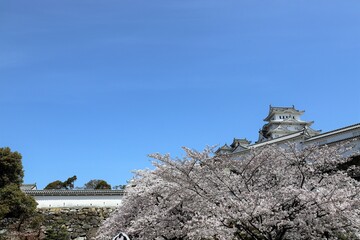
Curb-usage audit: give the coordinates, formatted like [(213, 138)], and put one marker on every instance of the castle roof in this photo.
[(31, 186), (310, 135), (284, 125), (288, 110), (354, 127), (240, 141), (224, 148)]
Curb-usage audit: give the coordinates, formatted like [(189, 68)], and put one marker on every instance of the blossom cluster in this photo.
[(270, 193)]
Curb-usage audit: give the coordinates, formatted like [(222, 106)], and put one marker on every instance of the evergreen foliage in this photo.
[(97, 184), (57, 233), (14, 203), (11, 169), (67, 184), (55, 185)]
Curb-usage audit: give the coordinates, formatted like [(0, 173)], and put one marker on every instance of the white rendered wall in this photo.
[(342, 136), (77, 201)]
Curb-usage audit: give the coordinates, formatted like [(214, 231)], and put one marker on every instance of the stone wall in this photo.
[(79, 223), (61, 224)]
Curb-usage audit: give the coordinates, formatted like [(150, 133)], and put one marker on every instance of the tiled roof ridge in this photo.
[(72, 192), (335, 130), (292, 107)]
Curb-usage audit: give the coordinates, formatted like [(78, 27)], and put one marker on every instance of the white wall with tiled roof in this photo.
[(349, 133), (76, 198)]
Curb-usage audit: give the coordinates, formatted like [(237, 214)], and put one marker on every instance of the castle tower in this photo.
[(282, 121)]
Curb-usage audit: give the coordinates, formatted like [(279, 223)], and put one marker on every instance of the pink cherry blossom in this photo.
[(270, 193)]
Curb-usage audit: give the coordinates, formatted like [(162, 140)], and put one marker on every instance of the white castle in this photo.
[(283, 121), (284, 125)]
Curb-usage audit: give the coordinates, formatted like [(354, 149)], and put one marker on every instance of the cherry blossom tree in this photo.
[(270, 193)]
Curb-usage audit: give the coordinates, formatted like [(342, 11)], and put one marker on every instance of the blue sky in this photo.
[(89, 88)]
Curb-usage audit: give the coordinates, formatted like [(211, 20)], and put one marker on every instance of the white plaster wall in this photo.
[(294, 116), (334, 138), (77, 201), (339, 137)]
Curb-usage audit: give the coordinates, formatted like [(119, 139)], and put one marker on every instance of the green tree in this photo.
[(103, 185), (67, 184), (55, 185), (13, 202), (97, 184), (11, 169), (57, 233)]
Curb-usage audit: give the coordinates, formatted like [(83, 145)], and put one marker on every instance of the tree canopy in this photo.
[(97, 184), (67, 184), (272, 193), (11, 169), (13, 202), (55, 185)]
